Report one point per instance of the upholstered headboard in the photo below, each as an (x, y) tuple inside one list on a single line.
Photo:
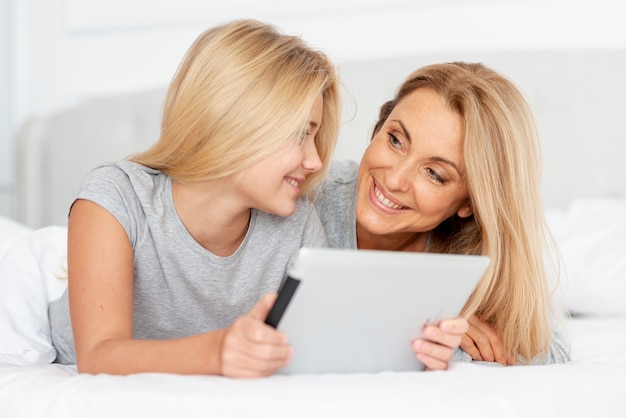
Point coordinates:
[(56, 151), (578, 97)]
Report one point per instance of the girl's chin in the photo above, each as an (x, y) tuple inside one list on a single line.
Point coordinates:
[(285, 210)]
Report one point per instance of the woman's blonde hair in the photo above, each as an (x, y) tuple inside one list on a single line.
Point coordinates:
[(503, 164), (242, 92)]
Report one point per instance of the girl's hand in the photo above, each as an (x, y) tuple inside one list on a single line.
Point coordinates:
[(252, 348), (437, 347)]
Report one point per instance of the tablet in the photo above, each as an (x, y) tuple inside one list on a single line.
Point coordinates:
[(357, 311)]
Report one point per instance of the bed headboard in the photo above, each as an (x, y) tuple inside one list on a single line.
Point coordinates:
[(578, 98)]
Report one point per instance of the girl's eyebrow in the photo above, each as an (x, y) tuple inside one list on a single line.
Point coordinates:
[(438, 159)]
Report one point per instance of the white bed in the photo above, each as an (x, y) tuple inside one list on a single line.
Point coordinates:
[(593, 385), (585, 195)]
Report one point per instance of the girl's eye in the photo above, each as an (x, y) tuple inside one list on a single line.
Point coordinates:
[(303, 135), (434, 176)]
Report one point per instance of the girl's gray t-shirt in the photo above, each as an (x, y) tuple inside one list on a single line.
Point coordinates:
[(180, 288)]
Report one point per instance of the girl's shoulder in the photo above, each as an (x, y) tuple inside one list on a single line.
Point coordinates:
[(125, 175)]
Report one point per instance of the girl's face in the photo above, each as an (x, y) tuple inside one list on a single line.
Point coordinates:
[(411, 175), (273, 184)]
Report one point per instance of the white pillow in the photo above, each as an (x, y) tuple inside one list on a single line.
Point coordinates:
[(32, 273), (10, 232), (591, 235)]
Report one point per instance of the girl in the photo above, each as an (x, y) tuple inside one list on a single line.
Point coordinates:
[(171, 252)]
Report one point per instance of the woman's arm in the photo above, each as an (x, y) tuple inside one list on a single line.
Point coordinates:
[(100, 269)]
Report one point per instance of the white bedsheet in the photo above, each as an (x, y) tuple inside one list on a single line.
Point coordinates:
[(592, 385)]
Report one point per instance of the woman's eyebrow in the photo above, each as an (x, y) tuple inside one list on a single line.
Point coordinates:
[(404, 130), (446, 161), (438, 159)]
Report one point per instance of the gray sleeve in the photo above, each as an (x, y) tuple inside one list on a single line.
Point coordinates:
[(110, 188), (559, 351)]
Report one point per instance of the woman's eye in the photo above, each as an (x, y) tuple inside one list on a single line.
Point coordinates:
[(434, 176), (394, 141)]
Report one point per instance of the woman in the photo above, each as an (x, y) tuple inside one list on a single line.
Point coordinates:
[(454, 167), (171, 252)]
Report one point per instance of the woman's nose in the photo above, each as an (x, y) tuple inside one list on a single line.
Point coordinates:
[(399, 176)]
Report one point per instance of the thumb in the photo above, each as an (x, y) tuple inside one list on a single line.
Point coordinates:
[(263, 306)]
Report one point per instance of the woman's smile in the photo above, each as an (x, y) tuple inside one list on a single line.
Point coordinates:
[(387, 201)]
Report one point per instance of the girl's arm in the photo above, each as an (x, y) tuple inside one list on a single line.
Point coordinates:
[(100, 269)]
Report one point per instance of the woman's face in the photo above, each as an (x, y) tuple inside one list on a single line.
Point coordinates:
[(411, 175)]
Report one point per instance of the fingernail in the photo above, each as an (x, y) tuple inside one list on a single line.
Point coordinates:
[(416, 344)]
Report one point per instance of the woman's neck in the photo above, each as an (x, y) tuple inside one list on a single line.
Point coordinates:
[(212, 216), (406, 241)]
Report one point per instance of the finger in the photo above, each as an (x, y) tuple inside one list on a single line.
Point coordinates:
[(454, 326), (245, 357), (435, 334), (496, 346), (481, 341), (263, 306), (251, 364), (467, 345), (251, 369), (252, 331), (431, 363), (436, 352)]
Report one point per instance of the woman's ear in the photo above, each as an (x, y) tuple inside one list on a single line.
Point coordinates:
[(464, 211)]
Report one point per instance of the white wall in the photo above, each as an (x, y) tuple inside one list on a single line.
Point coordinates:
[(6, 120), (56, 53)]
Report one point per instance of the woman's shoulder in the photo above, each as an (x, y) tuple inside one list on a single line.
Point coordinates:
[(342, 171), (340, 180)]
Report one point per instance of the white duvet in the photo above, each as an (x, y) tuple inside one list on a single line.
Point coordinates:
[(592, 385), (592, 237)]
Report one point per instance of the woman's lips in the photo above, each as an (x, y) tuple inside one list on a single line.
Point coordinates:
[(385, 201)]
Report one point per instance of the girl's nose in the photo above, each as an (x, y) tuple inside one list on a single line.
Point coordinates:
[(311, 161)]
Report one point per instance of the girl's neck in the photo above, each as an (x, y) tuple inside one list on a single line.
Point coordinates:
[(213, 217)]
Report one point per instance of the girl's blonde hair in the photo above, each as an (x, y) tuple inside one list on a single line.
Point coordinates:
[(502, 157), (242, 92)]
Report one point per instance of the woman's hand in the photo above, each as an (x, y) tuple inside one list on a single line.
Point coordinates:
[(437, 347), (483, 343), (252, 348)]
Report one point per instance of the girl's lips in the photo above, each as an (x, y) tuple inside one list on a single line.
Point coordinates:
[(384, 201), (294, 183)]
